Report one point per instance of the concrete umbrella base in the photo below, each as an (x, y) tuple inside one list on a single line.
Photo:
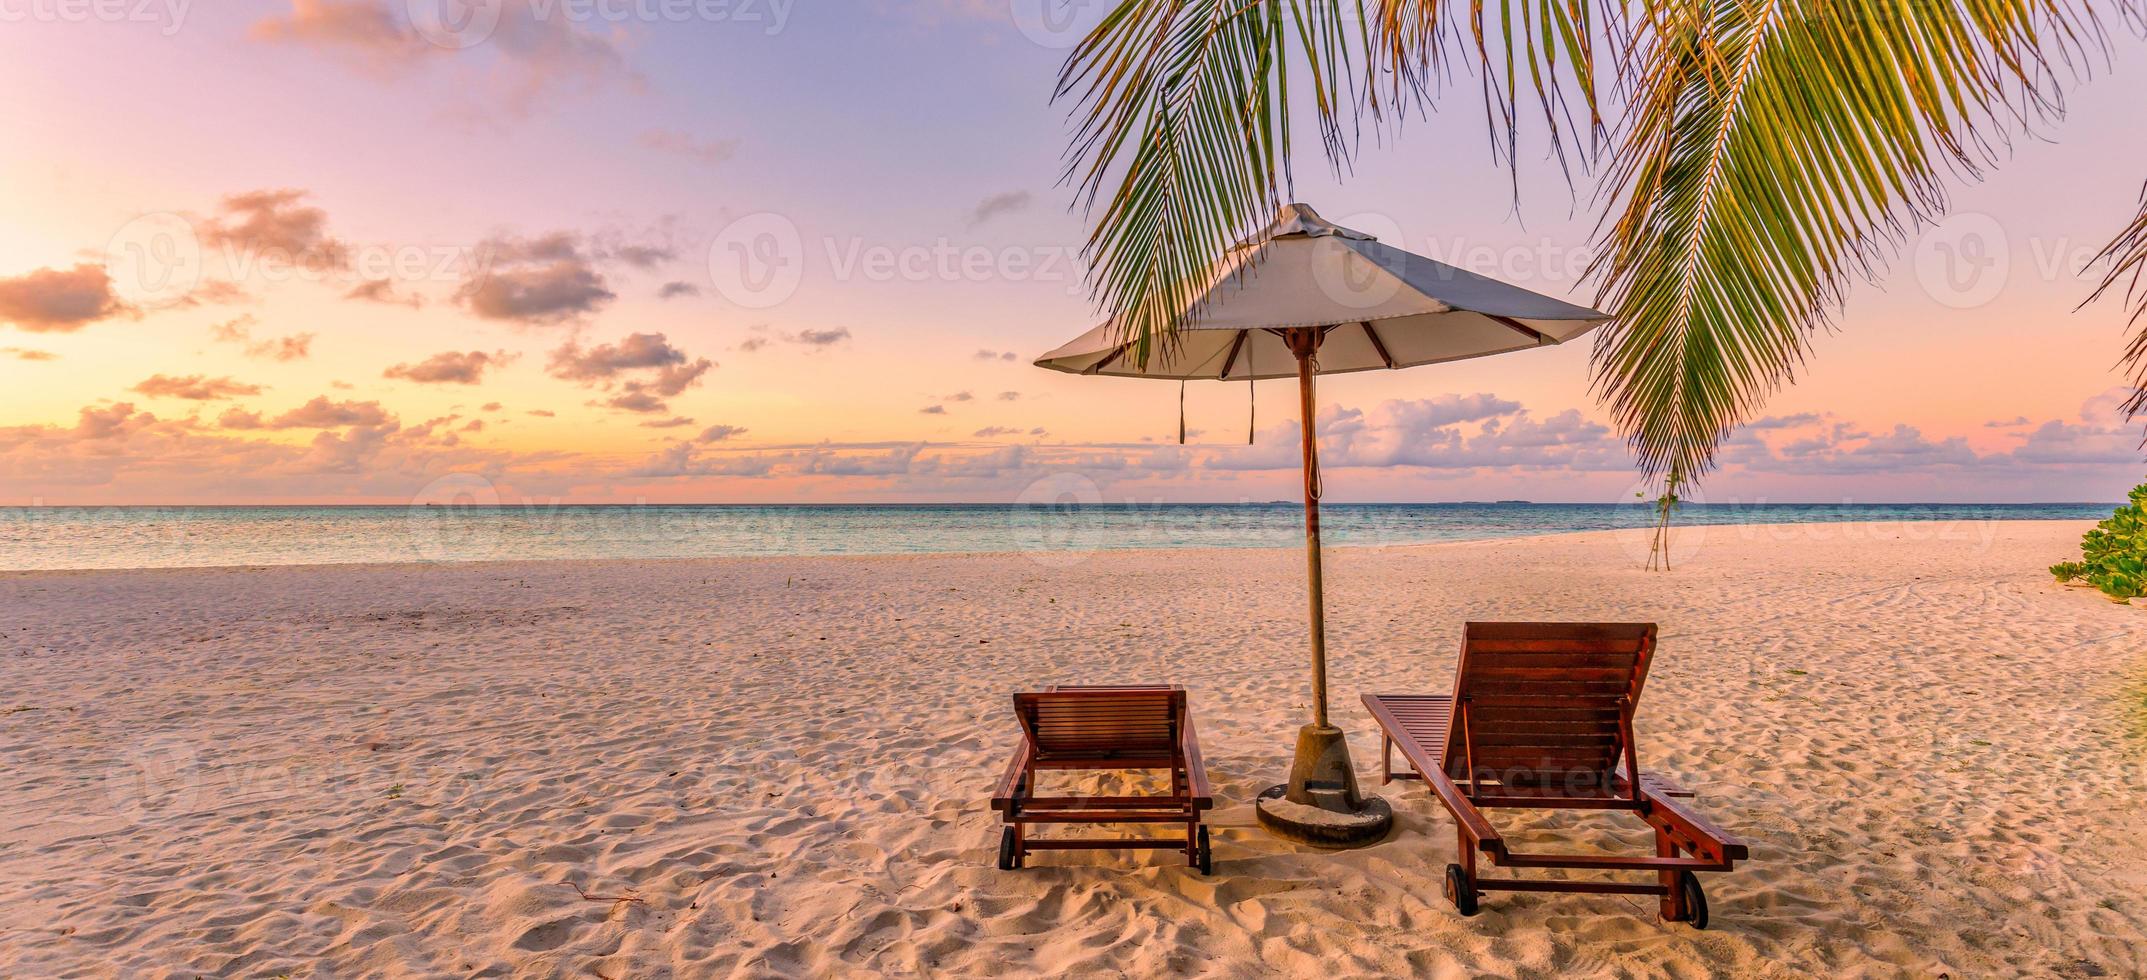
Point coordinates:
[(1320, 804)]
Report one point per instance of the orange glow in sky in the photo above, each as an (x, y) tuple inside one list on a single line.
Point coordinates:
[(300, 252)]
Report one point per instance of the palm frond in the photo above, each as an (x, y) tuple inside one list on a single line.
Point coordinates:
[(2127, 258), (1182, 123), (1191, 93), (1558, 44), (1772, 151)]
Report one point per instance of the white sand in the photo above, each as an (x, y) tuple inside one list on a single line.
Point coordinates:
[(1934, 753)]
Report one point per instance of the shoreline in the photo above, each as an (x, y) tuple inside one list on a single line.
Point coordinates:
[(1063, 556)]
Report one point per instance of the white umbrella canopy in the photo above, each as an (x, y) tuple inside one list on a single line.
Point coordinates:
[(1307, 297), (1380, 307)]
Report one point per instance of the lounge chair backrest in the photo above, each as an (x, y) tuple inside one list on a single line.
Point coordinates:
[(1104, 723), (1547, 702)]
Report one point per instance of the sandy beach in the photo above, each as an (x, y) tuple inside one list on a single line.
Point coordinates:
[(781, 766)]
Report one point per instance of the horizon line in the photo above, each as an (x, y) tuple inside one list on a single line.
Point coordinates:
[(1511, 502)]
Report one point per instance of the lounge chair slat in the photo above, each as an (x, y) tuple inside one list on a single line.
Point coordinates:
[(1592, 675), (1551, 702), (1577, 647), (1545, 721), (1607, 862), (1126, 762), (1552, 658), (1541, 768), (1607, 741), (1620, 635), (1577, 887), (1104, 844), (1546, 690)]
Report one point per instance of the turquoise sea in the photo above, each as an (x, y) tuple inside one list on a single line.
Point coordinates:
[(170, 537)]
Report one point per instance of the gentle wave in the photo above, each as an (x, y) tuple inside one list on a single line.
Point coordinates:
[(171, 537)]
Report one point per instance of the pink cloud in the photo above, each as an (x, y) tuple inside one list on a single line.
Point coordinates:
[(515, 50), (705, 152), (450, 367), (546, 280), (353, 25), (60, 300), (322, 413), (296, 347), (275, 225), (644, 368), (383, 291), (194, 387)]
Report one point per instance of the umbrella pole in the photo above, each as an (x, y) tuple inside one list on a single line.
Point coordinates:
[(1320, 804), (1315, 585)]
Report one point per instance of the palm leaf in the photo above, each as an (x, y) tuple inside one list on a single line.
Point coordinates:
[(1555, 42), (1183, 131), (1190, 94), (1774, 150), (2127, 258)]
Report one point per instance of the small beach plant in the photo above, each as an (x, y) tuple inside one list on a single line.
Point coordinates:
[(2113, 556), (1665, 505)]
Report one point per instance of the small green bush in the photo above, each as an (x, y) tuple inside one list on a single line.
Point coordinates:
[(2113, 556)]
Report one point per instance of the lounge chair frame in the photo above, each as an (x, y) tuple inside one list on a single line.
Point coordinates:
[(1068, 728), (1559, 696)]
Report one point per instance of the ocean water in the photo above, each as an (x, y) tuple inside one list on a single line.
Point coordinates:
[(172, 537)]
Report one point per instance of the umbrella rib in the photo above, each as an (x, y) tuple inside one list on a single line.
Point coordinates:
[(1525, 330), (1106, 362), (1377, 345), (1231, 361)]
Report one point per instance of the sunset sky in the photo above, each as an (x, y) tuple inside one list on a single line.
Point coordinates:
[(280, 252)]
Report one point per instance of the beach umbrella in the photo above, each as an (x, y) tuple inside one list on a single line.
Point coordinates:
[(1303, 298)]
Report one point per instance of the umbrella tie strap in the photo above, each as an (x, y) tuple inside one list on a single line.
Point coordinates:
[(1181, 413)]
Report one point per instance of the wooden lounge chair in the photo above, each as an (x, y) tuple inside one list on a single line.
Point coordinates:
[(1116, 728), (1542, 718)]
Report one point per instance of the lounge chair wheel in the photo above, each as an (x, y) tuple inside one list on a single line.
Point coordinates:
[(1008, 858), (1695, 899), (1459, 891), (1207, 852)]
